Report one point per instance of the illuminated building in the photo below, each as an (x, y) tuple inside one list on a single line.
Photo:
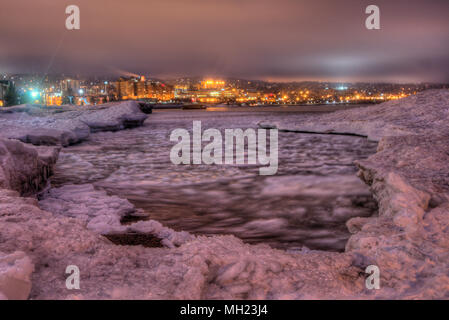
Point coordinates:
[(126, 88), (134, 88), (213, 84), (52, 99), (4, 85), (72, 84), (162, 92), (141, 89), (181, 92)]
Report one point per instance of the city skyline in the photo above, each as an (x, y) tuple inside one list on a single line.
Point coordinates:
[(60, 90), (266, 40)]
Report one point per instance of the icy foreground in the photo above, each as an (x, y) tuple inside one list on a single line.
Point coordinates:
[(409, 241), (103, 214)]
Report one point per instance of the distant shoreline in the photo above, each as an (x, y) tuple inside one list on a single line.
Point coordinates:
[(268, 108)]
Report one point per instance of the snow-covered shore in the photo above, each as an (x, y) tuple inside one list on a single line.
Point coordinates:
[(40, 126), (409, 177), (409, 241)]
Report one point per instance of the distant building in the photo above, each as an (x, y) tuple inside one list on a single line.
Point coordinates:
[(126, 88), (213, 84), (141, 89), (4, 86), (181, 91), (72, 84)]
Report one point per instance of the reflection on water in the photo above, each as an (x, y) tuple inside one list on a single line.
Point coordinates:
[(306, 204)]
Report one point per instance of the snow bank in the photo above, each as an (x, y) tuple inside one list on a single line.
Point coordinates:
[(415, 115), (15, 272), (25, 168), (67, 125), (408, 175)]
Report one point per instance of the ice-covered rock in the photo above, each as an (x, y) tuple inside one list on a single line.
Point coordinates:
[(15, 274), (169, 237), (67, 125), (410, 239), (408, 175), (100, 212), (117, 117), (25, 168), (103, 213)]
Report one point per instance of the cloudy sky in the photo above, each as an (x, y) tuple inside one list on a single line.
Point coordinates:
[(254, 39)]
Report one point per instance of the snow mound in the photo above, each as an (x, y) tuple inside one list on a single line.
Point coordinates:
[(67, 125), (15, 273), (25, 168)]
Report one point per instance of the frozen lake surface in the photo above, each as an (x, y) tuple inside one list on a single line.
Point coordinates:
[(306, 204)]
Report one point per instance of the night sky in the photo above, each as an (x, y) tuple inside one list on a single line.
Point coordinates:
[(252, 39)]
